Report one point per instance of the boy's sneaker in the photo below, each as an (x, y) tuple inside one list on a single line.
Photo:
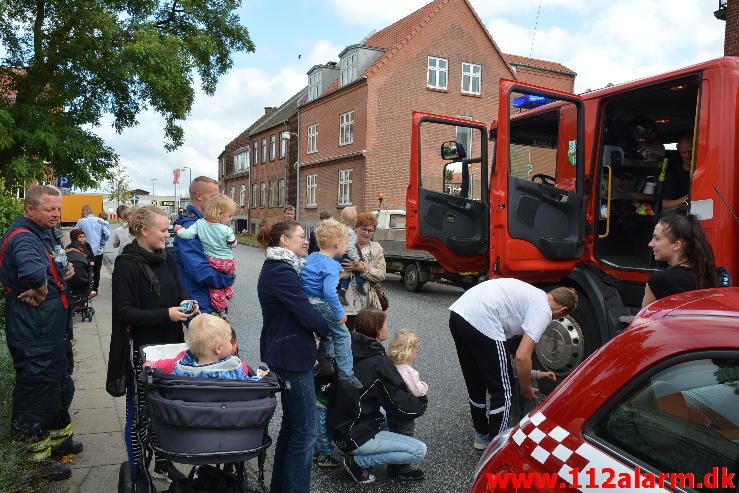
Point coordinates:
[(361, 476), (93, 294), (164, 469), (342, 297), (404, 473), (481, 441), (326, 461), (352, 381)]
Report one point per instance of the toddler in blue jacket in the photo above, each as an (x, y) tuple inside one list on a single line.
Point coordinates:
[(319, 279)]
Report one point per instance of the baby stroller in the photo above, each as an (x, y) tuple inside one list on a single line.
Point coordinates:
[(197, 421), (80, 285)]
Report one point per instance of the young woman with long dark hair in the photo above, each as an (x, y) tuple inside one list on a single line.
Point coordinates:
[(679, 240)]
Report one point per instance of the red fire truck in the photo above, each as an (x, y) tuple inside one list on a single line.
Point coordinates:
[(568, 193)]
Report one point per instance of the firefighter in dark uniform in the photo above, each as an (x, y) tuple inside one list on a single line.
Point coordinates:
[(33, 269)]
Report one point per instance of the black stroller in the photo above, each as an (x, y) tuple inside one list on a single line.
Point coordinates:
[(197, 421), (80, 285)]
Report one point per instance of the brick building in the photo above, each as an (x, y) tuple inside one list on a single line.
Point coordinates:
[(257, 168), (355, 122), (728, 10)]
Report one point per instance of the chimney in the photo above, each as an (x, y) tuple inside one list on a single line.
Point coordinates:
[(731, 35), (268, 110)]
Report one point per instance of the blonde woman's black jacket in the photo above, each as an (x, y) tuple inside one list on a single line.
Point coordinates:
[(354, 416)]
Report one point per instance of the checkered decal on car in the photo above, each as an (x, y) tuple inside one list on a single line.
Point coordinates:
[(560, 451)]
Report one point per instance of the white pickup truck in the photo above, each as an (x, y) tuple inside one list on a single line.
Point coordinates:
[(415, 266)]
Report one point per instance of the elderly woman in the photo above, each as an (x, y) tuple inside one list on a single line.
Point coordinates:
[(288, 346), (371, 266)]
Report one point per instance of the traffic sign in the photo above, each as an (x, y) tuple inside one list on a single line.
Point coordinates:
[(63, 182)]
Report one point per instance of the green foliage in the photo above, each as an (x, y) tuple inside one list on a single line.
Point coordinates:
[(69, 62), (118, 187), (9, 208)]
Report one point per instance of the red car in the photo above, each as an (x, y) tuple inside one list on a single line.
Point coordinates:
[(656, 407)]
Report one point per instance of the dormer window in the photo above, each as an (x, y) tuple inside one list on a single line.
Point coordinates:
[(314, 86), (348, 69)]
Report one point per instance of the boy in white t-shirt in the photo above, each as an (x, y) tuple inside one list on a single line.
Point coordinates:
[(481, 321)]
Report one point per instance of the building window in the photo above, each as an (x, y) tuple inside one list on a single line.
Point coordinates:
[(256, 153), (312, 138), (254, 195), (348, 67), (471, 78), (242, 195), (271, 194), (264, 150), (241, 160), (438, 72), (345, 187), (283, 147), (272, 147), (314, 86), (346, 128), (262, 194), (231, 191), (281, 195), (311, 182)]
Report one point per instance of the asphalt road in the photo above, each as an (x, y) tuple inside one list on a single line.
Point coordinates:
[(445, 428)]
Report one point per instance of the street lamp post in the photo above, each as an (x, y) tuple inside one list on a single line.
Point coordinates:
[(189, 179), (286, 135), (152, 185)]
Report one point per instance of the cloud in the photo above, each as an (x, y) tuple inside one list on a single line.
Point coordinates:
[(240, 99), (376, 14)]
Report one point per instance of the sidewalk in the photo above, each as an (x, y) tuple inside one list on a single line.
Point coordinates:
[(98, 419)]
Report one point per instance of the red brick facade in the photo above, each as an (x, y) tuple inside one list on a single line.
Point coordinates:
[(731, 36)]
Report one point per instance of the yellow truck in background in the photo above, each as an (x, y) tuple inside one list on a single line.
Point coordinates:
[(72, 206)]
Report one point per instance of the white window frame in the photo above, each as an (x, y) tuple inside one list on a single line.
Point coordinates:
[(231, 192), (345, 187), (281, 193), (314, 86), (242, 195), (272, 147), (262, 194), (254, 193), (256, 152), (271, 196), (264, 149), (311, 187), (346, 128), (348, 67), (312, 146), (283, 147), (468, 74), (435, 66)]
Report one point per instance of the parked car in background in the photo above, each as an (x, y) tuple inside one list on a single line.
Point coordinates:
[(662, 397)]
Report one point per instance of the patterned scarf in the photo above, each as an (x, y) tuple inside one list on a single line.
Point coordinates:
[(284, 255)]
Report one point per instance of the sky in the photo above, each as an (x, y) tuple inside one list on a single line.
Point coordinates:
[(604, 41)]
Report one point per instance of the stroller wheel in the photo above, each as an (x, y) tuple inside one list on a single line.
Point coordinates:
[(125, 478)]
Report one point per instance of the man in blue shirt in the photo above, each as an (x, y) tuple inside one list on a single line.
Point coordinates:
[(97, 233), (196, 274), (33, 270)]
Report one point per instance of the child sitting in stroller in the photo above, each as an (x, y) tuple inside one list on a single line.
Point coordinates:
[(212, 352), (79, 254)]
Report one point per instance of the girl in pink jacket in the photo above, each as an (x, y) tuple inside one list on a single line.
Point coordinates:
[(403, 351)]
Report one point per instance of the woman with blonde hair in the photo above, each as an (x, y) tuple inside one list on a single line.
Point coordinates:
[(146, 308)]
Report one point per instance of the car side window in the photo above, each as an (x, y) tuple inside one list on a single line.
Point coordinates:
[(684, 419)]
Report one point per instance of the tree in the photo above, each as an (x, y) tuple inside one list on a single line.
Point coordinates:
[(68, 63), (118, 187)]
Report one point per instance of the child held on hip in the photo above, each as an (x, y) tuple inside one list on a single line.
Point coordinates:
[(403, 351), (218, 239), (349, 220), (319, 278)]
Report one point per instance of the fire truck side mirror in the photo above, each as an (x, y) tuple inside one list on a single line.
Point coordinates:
[(451, 150)]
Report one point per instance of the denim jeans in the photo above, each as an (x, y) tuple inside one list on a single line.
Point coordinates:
[(294, 450), (337, 343), (324, 445), (389, 448)]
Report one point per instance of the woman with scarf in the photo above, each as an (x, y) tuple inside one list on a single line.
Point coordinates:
[(146, 299), (288, 346)]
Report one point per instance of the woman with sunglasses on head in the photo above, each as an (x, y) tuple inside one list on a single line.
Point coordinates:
[(371, 266), (679, 240)]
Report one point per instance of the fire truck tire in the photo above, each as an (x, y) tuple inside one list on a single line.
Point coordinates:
[(568, 341), (412, 278)]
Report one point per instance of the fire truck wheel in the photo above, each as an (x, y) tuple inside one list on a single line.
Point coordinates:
[(412, 278), (568, 341)]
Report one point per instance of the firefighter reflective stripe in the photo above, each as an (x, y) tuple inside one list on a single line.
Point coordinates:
[(39, 451), (59, 436), (663, 170)]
